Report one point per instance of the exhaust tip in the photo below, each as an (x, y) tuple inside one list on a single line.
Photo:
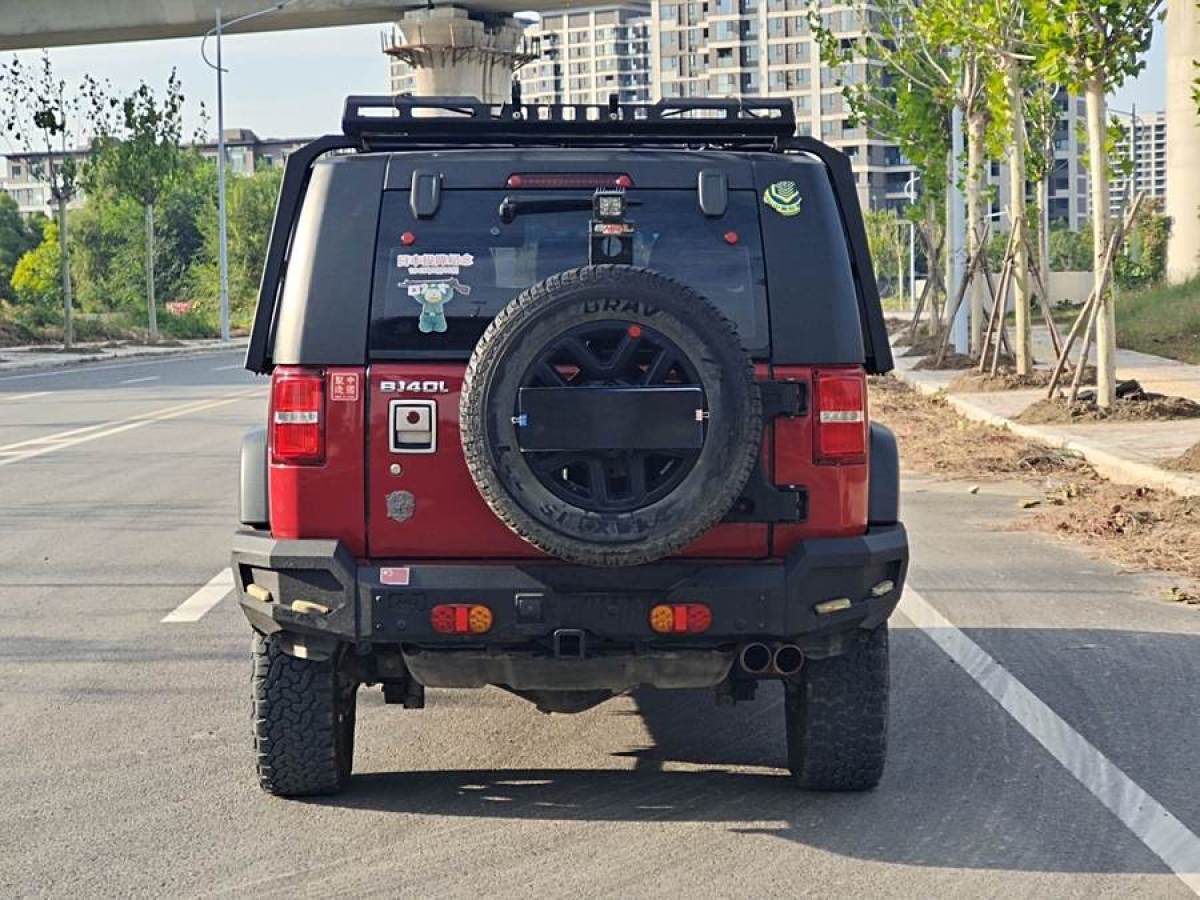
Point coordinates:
[(755, 658), (788, 659)]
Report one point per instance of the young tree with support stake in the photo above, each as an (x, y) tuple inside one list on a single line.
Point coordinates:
[(44, 119), (138, 154), (1092, 46)]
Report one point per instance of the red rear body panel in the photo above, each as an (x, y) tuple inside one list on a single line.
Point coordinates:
[(347, 496)]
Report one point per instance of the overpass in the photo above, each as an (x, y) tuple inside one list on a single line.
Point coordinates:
[(468, 49)]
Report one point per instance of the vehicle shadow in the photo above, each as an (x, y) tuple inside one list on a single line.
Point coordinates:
[(965, 788)]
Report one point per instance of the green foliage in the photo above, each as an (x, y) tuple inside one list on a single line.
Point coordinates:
[(17, 237), (1163, 320), (138, 148), (35, 280), (1145, 263), (886, 236), (1100, 40), (250, 208), (1070, 251)]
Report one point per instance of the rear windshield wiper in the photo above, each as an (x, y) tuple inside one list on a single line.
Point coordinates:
[(511, 207)]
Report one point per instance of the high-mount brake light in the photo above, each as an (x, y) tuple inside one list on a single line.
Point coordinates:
[(460, 618), (297, 426), (568, 181), (841, 418), (680, 618)]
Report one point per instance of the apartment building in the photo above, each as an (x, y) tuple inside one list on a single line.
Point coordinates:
[(245, 151), (1147, 136), (587, 54)]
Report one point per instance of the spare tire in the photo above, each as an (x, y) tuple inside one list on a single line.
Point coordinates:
[(620, 328)]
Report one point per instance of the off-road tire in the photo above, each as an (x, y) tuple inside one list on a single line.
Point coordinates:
[(304, 716), (837, 717), (571, 531)]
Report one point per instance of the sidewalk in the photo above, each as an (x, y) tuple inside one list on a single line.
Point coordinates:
[(46, 356), (1124, 452)]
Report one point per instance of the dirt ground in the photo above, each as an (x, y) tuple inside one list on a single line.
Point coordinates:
[(951, 360), (1188, 462), (1136, 527), (973, 382), (1146, 408)]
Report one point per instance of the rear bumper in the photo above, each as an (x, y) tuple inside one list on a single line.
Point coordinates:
[(347, 601)]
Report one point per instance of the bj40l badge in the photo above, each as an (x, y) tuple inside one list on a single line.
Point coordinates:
[(783, 197)]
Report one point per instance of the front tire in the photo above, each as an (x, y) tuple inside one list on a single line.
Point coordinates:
[(837, 717), (304, 714)]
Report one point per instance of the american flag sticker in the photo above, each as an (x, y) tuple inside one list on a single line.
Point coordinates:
[(394, 576)]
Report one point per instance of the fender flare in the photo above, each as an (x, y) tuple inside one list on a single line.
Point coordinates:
[(253, 506), (883, 503)]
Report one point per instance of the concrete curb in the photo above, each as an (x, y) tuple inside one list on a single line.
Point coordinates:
[(1116, 468), (87, 359)]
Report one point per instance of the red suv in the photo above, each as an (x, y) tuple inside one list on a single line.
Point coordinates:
[(567, 400)]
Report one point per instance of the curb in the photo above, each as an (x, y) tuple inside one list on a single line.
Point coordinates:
[(86, 360), (1115, 468)]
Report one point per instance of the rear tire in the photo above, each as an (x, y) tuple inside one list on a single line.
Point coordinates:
[(304, 715), (837, 717)]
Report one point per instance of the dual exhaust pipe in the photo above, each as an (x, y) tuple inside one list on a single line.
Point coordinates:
[(776, 659)]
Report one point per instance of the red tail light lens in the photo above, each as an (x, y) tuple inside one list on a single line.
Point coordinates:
[(840, 407), (460, 618), (680, 618), (297, 418)]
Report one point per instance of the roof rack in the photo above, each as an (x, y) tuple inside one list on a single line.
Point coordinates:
[(387, 122)]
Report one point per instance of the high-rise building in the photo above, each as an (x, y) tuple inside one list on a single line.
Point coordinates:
[(1147, 136), (587, 54), (765, 48)]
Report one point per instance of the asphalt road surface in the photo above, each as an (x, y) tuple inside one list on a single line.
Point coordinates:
[(1044, 733)]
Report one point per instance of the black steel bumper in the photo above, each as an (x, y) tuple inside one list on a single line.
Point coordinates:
[(315, 590)]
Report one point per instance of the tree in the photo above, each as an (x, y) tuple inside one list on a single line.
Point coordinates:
[(921, 50), (44, 120), (36, 278), (1092, 46), (17, 237), (137, 153)]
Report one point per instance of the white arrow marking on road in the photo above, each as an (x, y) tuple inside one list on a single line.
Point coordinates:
[(26, 396), (140, 380), (194, 607), (1151, 822), (11, 453)]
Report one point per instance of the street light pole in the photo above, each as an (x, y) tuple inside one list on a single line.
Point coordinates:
[(910, 191), (222, 229), (222, 233)]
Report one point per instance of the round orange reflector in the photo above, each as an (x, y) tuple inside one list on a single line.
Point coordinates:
[(479, 620), (662, 619)]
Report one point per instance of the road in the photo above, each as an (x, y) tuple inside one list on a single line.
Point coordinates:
[(1061, 761)]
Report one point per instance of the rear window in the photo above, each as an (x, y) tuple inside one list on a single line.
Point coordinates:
[(440, 281)]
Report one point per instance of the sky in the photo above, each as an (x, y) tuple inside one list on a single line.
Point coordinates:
[(292, 84)]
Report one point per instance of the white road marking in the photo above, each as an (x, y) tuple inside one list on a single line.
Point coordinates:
[(227, 368), (26, 396), (11, 453), (1151, 822), (140, 380), (194, 607)]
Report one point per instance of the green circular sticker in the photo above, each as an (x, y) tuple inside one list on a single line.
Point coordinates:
[(783, 197)]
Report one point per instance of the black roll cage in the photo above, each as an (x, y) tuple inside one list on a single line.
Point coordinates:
[(383, 123)]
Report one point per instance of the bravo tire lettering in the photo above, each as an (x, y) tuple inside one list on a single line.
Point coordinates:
[(613, 305), (413, 387)]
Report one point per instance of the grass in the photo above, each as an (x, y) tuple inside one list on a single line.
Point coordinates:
[(1164, 321)]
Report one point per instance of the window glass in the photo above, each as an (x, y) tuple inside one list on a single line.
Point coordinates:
[(439, 292)]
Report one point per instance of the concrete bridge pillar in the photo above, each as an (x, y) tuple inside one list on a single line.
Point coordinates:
[(1183, 140), (459, 53)]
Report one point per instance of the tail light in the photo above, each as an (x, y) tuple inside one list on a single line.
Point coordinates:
[(840, 404), (297, 418), (460, 618), (680, 618)]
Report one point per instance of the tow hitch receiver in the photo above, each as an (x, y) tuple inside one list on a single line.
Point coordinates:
[(570, 643)]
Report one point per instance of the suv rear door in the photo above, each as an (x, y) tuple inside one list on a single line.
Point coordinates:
[(438, 282)]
